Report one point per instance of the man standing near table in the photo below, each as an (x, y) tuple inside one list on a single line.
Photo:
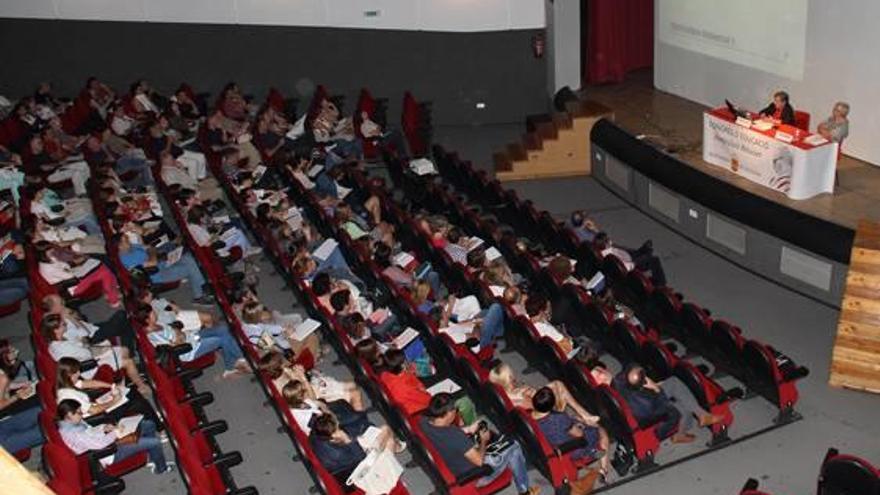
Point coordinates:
[(779, 109)]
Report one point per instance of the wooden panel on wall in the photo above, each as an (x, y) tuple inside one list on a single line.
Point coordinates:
[(855, 362)]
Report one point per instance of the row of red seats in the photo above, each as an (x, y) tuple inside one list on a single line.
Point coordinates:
[(641, 439), (840, 474), (765, 370)]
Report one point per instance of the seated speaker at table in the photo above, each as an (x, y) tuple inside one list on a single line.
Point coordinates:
[(780, 109)]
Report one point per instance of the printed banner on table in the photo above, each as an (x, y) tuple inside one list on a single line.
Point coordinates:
[(752, 155)]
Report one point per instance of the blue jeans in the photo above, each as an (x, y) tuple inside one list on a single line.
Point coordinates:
[(89, 224), (13, 290), (512, 458), (433, 278), (185, 268), (325, 186), (218, 337), (127, 164), (493, 325), (21, 431), (146, 441)]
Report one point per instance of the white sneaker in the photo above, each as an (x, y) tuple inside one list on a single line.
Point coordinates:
[(170, 465), (253, 251)]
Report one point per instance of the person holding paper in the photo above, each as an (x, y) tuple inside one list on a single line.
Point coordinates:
[(203, 341), (77, 278), (408, 392), (779, 110), (465, 448), (168, 312), (258, 320), (117, 401), (174, 172), (19, 420), (836, 127), (338, 448), (538, 309), (584, 228), (80, 438), (78, 328), (73, 212), (406, 279), (206, 233), (117, 358), (305, 403), (383, 324), (168, 270)]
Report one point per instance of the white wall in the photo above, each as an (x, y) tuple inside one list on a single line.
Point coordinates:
[(563, 44), (417, 15), (842, 63)]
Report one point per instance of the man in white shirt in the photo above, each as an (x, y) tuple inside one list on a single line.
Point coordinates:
[(642, 258)]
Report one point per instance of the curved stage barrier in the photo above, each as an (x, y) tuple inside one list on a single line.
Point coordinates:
[(804, 253)]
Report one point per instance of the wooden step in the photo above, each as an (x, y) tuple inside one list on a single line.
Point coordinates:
[(855, 361), (556, 145)]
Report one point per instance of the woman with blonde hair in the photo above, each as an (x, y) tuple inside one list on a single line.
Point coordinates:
[(521, 394)]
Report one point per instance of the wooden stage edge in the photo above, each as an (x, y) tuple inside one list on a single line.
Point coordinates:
[(855, 362)]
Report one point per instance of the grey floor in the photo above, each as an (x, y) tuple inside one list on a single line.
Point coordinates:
[(785, 460)]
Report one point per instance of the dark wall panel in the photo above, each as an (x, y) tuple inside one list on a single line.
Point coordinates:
[(454, 70)]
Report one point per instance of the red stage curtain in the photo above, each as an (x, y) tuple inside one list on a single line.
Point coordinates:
[(620, 38)]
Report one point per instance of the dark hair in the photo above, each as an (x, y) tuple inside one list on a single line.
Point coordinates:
[(440, 405), (476, 258), (339, 299), (66, 407), (325, 425), (395, 361), (196, 213), (577, 219), (536, 303), (368, 350), (382, 255), (321, 284), (781, 94), (454, 235), (601, 240), (544, 400)]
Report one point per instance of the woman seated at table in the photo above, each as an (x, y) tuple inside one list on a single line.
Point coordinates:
[(779, 110)]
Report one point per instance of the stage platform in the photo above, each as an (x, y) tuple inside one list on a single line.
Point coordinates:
[(676, 125)]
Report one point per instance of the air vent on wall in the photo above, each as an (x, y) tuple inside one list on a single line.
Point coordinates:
[(726, 234), (805, 268), (664, 201), (372, 13), (618, 173)]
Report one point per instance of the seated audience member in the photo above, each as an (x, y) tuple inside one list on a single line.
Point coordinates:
[(175, 172), (560, 427), (203, 341), (71, 238), (456, 246), (461, 452), (78, 328), (372, 131), (407, 391), (779, 110), (53, 329), (258, 320), (80, 438), (76, 279), (124, 401), (521, 395), (583, 227), (19, 416), (669, 402), (642, 258), (337, 447), (39, 162), (836, 127), (407, 279), (305, 405), (205, 231), (369, 350), (74, 212), (538, 309), (13, 284), (184, 268)]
